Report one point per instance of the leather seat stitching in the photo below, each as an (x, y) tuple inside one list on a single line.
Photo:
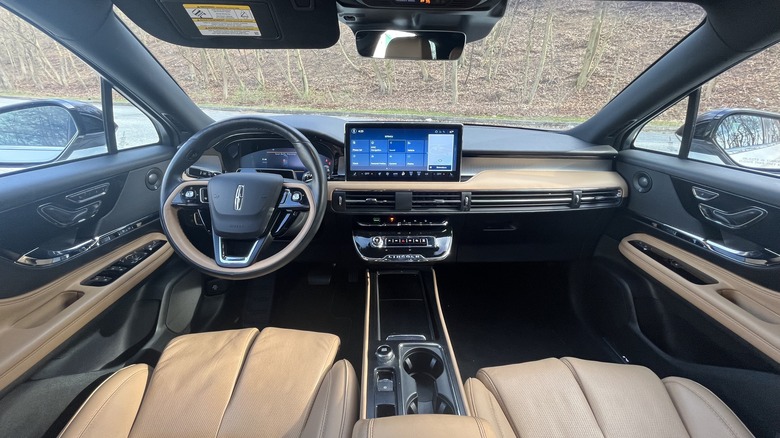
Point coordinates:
[(722, 420), (346, 398), (570, 366), (250, 344), (325, 409), (371, 428), (470, 390), (323, 373), (107, 400), (479, 426), (499, 400)]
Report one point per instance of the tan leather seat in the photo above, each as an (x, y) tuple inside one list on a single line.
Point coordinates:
[(277, 383), (578, 398)]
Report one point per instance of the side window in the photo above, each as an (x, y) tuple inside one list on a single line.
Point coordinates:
[(738, 122), (55, 114), (133, 128), (664, 133)]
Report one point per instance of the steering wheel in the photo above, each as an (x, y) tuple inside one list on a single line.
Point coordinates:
[(247, 209)]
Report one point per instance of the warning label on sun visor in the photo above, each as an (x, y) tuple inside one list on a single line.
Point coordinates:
[(223, 20)]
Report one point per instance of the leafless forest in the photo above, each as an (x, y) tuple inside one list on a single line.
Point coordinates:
[(545, 60)]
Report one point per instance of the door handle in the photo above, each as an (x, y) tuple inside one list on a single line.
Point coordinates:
[(734, 220)]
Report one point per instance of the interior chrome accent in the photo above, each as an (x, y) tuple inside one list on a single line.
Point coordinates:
[(733, 220), (403, 223), (703, 194), (63, 217), (755, 257), (47, 257), (89, 194), (230, 261), (406, 338)]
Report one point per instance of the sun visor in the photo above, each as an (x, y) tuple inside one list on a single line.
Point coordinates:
[(278, 24)]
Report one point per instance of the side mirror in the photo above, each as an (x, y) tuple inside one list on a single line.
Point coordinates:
[(44, 131), (749, 139), (410, 45)]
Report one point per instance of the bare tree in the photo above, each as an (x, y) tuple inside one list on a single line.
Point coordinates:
[(589, 60), (548, 30)]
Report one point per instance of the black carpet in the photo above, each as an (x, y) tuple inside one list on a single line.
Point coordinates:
[(512, 313), (304, 299)]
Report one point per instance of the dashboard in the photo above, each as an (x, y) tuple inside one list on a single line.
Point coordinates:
[(404, 192)]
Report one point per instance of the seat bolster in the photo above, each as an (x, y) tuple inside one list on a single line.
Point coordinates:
[(111, 409), (484, 405), (702, 412), (335, 408)]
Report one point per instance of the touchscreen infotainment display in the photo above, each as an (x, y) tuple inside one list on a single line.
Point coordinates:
[(403, 152)]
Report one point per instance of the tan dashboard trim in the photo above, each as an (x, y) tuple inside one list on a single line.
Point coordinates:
[(500, 180), (747, 309), (23, 343)]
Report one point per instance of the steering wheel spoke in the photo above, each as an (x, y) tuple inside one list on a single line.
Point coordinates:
[(235, 253), (293, 197), (191, 194)]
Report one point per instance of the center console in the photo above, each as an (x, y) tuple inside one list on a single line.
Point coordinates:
[(409, 367)]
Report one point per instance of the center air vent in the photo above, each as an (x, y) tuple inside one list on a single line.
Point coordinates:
[(487, 201), (545, 200), (374, 201), (437, 201)]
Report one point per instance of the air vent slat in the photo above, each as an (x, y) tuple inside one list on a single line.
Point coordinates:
[(544, 200), (376, 201), (436, 201)]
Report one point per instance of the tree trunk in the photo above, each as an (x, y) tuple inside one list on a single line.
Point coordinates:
[(453, 82), (543, 57), (594, 38)]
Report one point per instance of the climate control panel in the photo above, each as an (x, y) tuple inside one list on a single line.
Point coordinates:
[(402, 240)]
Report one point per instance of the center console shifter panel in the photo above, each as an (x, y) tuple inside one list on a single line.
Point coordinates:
[(391, 239), (409, 368)]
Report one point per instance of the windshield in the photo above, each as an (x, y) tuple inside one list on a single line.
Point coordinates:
[(549, 64)]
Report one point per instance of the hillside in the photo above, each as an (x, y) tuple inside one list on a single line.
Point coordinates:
[(556, 61)]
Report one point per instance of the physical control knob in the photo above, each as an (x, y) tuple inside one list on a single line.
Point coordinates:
[(376, 241), (384, 353)]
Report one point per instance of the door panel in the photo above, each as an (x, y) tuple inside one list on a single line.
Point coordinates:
[(116, 182), (747, 309), (704, 246), (67, 229), (34, 324), (695, 299), (671, 207)]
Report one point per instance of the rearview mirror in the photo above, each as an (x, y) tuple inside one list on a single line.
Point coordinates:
[(414, 45)]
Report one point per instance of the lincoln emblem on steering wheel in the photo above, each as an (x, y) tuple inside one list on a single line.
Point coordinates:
[(239, 199)]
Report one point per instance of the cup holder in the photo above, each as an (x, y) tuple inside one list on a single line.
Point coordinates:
[(425, 367)]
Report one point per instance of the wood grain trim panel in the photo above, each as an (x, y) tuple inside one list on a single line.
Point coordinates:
[(749, 310), (499, 180), (22, 346)]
